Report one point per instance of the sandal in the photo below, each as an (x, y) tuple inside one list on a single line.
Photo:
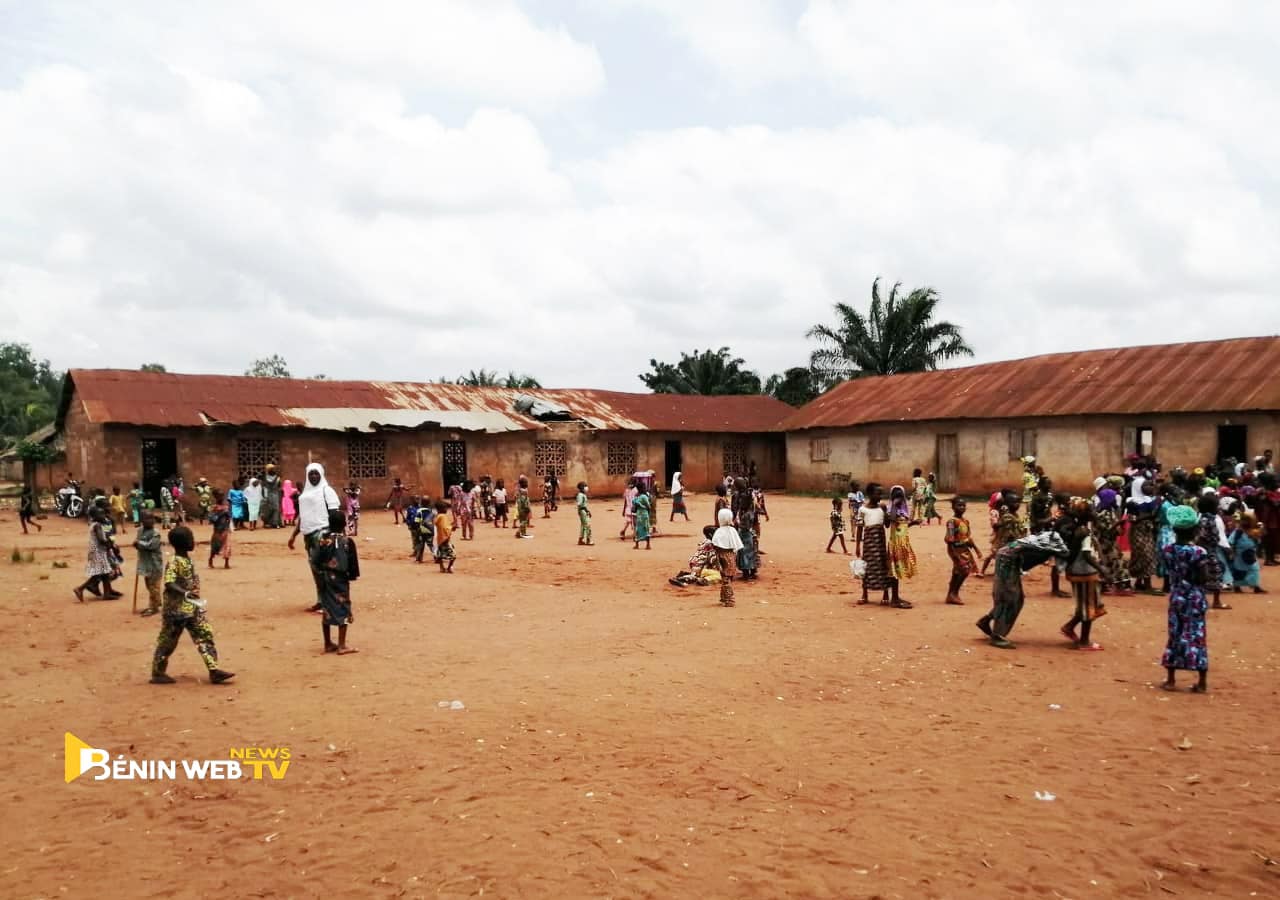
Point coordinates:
[(902, 604)]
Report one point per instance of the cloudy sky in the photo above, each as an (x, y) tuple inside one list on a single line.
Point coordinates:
[(570, 187)]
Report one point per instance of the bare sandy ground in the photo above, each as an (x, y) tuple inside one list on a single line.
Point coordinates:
[(624, 739)]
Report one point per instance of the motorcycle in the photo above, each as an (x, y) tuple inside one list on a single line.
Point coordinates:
[(68, 501)]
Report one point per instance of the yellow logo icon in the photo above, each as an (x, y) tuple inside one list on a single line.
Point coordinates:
[(78, 758)]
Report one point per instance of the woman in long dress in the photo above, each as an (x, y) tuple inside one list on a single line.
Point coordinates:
[(871, 546), (641, 508), (1188, 567), (678, 507)]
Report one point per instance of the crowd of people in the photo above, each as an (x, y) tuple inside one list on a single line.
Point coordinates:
[(1192, 536)]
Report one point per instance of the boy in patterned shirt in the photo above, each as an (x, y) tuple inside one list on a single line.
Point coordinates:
[(183, 610)]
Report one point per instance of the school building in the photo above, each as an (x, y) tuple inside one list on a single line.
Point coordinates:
[(123, 426), (1079, 413)]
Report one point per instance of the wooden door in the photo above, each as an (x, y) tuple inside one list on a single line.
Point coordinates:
[(948, 470)]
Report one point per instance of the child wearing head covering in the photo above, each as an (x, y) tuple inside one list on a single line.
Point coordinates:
[(727, 542), (902, 558), (315, 503), (1245, 543), (1187, 565), (678, 507), (288, 502)]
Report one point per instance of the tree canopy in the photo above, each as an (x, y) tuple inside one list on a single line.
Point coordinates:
[(710, 372), (794, 387), (898, 334), (272, 366), (29, 392), (153, 367), (486, 378)]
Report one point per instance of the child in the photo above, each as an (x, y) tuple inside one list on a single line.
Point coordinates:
[(395, 500), (500, 503), (1083, 574), (444, 533), (168, 504), (411, 522), (856, 499), (118, 506), (101, 558), (837, 527), (748, 556), (628, 514), (547, 494), (253, 502), (870, 544), (931, 499), (727, 542), (1007, 595), (524, 508), (150, 561), (462, 511), (136, 499), (584, 517), (353, 508), (902, 558), (1187, 565), (917, 495), (722, 499), (959, 540), (334, 556), (184, 611), (475, 501), (1007, 526), (1106, 531), (236, 501), (702, 562), (204, 500), (288, 502), (27, 509), (678, 507), (486, 497), (641, 507), (757, 495), (1245, 543), (1212, 539), (1064, 526), (220, 540), (426, 528)]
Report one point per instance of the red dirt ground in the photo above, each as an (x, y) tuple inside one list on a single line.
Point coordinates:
[(623, 739)]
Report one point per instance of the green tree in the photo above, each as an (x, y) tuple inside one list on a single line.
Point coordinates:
[(898, 334), (29, 392), (153, 367), (523, 381), (795, 386), (483, 378), (709, 372), (272, 366)]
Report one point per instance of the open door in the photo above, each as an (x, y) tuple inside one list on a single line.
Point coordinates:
[(674, 461), (1233, 442), (948, 470), (159, 461)]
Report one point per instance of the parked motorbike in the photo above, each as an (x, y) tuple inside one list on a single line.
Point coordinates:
[(68, 501)]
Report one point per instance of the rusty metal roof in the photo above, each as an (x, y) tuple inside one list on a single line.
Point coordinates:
[(170, 400), (1209, 376)]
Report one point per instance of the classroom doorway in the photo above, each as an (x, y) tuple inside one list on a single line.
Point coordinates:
[(159, 462), (1233, 442), (453, 468), (674, 461), (948, 462)]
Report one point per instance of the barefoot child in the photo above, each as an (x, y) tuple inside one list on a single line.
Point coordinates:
[(959, 540), (150, 561), (500, 503), (1007, 595), (352, 503), (1187, 566), (837, 527), (727, 542), (220, 540), (137, 501), (27, 509), (641, 509), (931, 499), (334, 556), (118, 506), (871, 545), (584, 516), (1084, 574), (184, 611), (444, 536), (1246, 543), (524, 508)]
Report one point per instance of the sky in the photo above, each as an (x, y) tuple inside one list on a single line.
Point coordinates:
[(569, 188)]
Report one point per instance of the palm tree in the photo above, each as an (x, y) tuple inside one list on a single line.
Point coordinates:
[(897, 335), (522, 381), (711, 372), (483, 378)]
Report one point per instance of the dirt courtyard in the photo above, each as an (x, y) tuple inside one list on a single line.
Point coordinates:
[(622, 738)]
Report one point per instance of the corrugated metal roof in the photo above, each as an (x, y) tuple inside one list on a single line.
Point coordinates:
[(1219, 376), (170, 400)]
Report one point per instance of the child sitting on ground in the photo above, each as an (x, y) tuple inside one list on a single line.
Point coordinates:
[(703, 568), (334, 556)]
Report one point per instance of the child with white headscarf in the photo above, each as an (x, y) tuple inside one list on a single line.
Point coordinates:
[(314, 505), (727, 542)]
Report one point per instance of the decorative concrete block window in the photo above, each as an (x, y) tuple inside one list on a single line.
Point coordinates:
[(620, 458), (735, 457), (551, 458), (253, 454), (1022, 442), (819, 449), (367, 458), (878, 447)]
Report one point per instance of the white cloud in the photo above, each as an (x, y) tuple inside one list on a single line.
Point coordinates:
[(400, 194)]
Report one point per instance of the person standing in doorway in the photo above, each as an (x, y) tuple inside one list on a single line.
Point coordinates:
[(272, 495), (314, 505)]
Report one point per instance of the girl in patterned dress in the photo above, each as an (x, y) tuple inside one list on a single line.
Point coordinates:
[(870, 543), (902, 558), (959, 540), (1114, 570), (1188, 568), (837, 527)]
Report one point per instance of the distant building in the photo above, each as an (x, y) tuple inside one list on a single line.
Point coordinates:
[(121, 426), (1079, 413)]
